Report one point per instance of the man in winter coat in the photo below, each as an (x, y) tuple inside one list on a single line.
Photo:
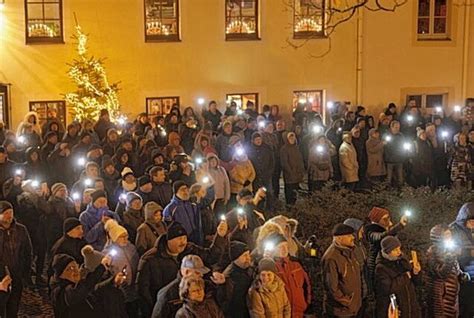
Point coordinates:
[(94, 218), (375, 161), (159, 265), (348, 162), (463, 233), (380, 227), (341, 275), (110, 175), (212, 115), (15, 254), (149, 231), (162, 191), (181, 210), (145, 187), (133, 215), (394, 275), (394, 153), (240, 274), (292, 165), (168, 301), (60, 165), (74, 297), (224, 147), (103, 124), (6, 167)]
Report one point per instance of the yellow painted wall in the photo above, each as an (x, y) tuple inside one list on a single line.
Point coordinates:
[(203, 64)]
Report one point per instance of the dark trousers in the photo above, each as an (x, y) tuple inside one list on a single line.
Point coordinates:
[(291, 192), (276, 180), (10, 306), (466, 297)]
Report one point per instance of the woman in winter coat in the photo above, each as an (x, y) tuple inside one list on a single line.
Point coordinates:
[(111, 142), (149, 231), (133, 215), (460, 161), (188, 132), (195, 303), (394, 275), (242, 174), (31, 118), (375, 163), (320, 165), (292, 165), (443, 274), (124, 259), (203, 148), (221, 183), (348, 161), (267, 296)]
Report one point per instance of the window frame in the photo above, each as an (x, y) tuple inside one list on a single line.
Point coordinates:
[(149, 100), (424, 97), (243, 36), (431, 36), (244, 107), (157, 38), (6, 103), (45, 40), (309, 34)]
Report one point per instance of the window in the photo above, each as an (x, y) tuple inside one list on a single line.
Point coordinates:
[(162, 21), (44, 21), (241, 100), (308, 19), (161, 105), (4, 104), (314, 99), (241, 20), (42, 107), (429, 101), (433, 20)]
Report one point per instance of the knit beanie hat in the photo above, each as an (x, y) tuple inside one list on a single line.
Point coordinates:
[(150, 209), (177, 185), (143, 180), (56, 187), (92, 258), (126, 171), (389, 243), (175, 230), (356, 224), (70, 223), (342, 229), (267, 264), (132, 196), (5, 205), (236, 249), (60, 262), (98, 194), (114, 230), (376, 214)]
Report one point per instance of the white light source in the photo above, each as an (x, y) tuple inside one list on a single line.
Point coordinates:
[(21, 139), (317, 129), (240, 111), (261, 124), (223, 217), (35, 183), (81, 161), (439, 109), (329, 105), (122, 197), (163, 133), (339, 129), (269, 246), (88, 182), (444, 134), (240, 211), (205, 180), (319, 148), (457, 108), (408, 213), (388, 138), (449, 244), (311, 99), (18, 172), (122, 120), (302, 100), (201, 101), (410, 118), (240, 151), (75, 196), (264, 189), (407, 146), (198, 160), (113, 252)]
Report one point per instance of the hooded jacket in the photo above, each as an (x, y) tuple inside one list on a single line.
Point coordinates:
[(91, 220), (148, 232), (465, 237), (36, 126), (220, 178), (241, 175)]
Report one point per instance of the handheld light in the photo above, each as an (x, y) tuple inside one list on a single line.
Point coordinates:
[(21, 139), (388, 138), (444, 134), (269, 246), (457, 108), (261, 124), (407, 146), (439, 109), (408, 213), (240, 211), (113, 252), (18, 172), (81, 161), (319, 148), (317, 129), (223, 217), (201, 101), (75, 196), (198, 160), (449, 244), (205, 180), (329, 105), (410, 118), (35, 183), (122, 197), (240, 151), (302, 100), (88, 182)]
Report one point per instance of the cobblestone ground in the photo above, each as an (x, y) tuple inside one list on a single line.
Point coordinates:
[(35, 303)]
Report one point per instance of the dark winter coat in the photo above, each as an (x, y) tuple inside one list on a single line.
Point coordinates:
[(241, 281), (342, 281), (58, 210), (208, 308), (188, 215), (91, 220), (132, 220), (292, 163), (391, 278), (69, 246), (422, 161), (465, 237), (162, 193), (263, 162), (393, 151), (16, 251)]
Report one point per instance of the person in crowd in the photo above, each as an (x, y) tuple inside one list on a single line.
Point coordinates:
[(221, 183), (342, 275), (133, 215), (422, 160), (267, 296), (195, 302), (460, 161), (31, 119), (348, 162), (223, 145), (110, 176), (181, 170), (262, 160), (393, 153), (149, 231), (61, 165), (160, 265), (320, 165), (94, 218), (124, 260), (52, 118), (375, 158), (462, 229), (242, 174), (168, 301), (240, 273), (16, 257), (103, 124), (162, 190), (394, 277), (380, 226), (292, 166), (212, 115)]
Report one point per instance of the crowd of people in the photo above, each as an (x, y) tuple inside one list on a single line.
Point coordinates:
[(176, 215)]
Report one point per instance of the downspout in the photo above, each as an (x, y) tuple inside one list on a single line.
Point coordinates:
[(360, 39), (465, 54)]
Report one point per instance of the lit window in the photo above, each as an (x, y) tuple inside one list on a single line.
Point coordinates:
[(313, 100), (42, 107), (433, 23), (44, 21), (241, 100), (241, 18), (161, 20), (429, 101), (308, 19), (161, 105)]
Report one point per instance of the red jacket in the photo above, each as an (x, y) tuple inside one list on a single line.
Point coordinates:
[(297, 284)]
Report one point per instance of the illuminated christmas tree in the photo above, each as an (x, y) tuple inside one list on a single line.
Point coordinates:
[(93, 89)]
